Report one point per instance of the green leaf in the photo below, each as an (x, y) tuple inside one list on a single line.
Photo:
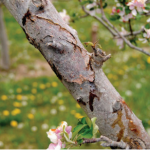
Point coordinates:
[(127, 10), (89, 44), (87, 134), (83, 120), (105, 5), (77, 129), (95, 127), (147, 26), (80, 141), (67, 138), (114, 17), (88, 120)]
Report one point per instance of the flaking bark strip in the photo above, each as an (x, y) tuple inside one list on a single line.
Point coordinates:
[(121, 125), (51, 22), (26, 16)]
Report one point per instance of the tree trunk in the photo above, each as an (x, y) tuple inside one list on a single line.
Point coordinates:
[(4, 43), (78, 70)]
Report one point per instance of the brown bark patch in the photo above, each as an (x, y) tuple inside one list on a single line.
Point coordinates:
[(121, 125), (24, 19), (132, 124)]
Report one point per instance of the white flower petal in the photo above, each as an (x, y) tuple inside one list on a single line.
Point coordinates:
[(134, 13), (148, 20)]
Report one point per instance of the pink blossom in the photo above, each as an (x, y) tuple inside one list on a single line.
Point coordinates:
[(120, 41), (113, 11), (137, 6), (147, 35), (62, 132), (57, 146), (64, 16)]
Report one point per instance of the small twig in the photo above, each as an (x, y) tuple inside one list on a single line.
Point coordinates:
[(84, 16), (94, 140), (133, 33), (108, 142), (100, 20), (113, 144), (130, 27)]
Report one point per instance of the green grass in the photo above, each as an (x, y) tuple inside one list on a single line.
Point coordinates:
[(128, 70)]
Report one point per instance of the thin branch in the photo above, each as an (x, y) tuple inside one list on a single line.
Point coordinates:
[(113, 144), (130, 27), (94, 140), (108, 142), (88, 13), (84, 16), (109, 26)]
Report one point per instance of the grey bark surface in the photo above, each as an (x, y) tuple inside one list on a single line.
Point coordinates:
[(4, 43), (81, 72)]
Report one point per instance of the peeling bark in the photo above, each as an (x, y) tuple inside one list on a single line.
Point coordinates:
[(81, 72)]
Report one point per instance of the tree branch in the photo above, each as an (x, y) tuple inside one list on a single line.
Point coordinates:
[(130, 27), (100, 20), (114, 31), (79, 71)]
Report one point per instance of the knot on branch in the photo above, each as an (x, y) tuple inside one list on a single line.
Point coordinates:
[(39, 3), (113, 144), (99, 57)]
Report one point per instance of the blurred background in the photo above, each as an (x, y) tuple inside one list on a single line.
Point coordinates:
[(33, 100)]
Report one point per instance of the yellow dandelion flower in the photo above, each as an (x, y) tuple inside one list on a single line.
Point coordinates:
[(16, 104), (42, 86), (48, 84), (19, 97), (77, 105), (32, 97), (6, 113), (73, 112), (60, 102), (30, 116), (34, 84), (19, 90), (34, 91), (54, 84), (14, 123), (80, 117), (121, 72), (77, 115), (3, 97), (110, 76), (148, 60), (16, 112)]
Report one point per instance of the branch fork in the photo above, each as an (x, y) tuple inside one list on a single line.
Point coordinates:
[(99, 57)]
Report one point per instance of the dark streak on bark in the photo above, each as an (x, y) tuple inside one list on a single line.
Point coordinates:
[(51, 22), (24, 19), (55, 70), (92, 95), (80, 101)]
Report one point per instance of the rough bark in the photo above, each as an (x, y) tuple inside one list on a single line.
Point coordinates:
[(78, 70), (4, 43)]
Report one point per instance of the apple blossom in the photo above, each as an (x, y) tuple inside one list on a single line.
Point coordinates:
[(120, 41), (60, 136), (53, 146), (64, 16), (147, 35), (137, 6)]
